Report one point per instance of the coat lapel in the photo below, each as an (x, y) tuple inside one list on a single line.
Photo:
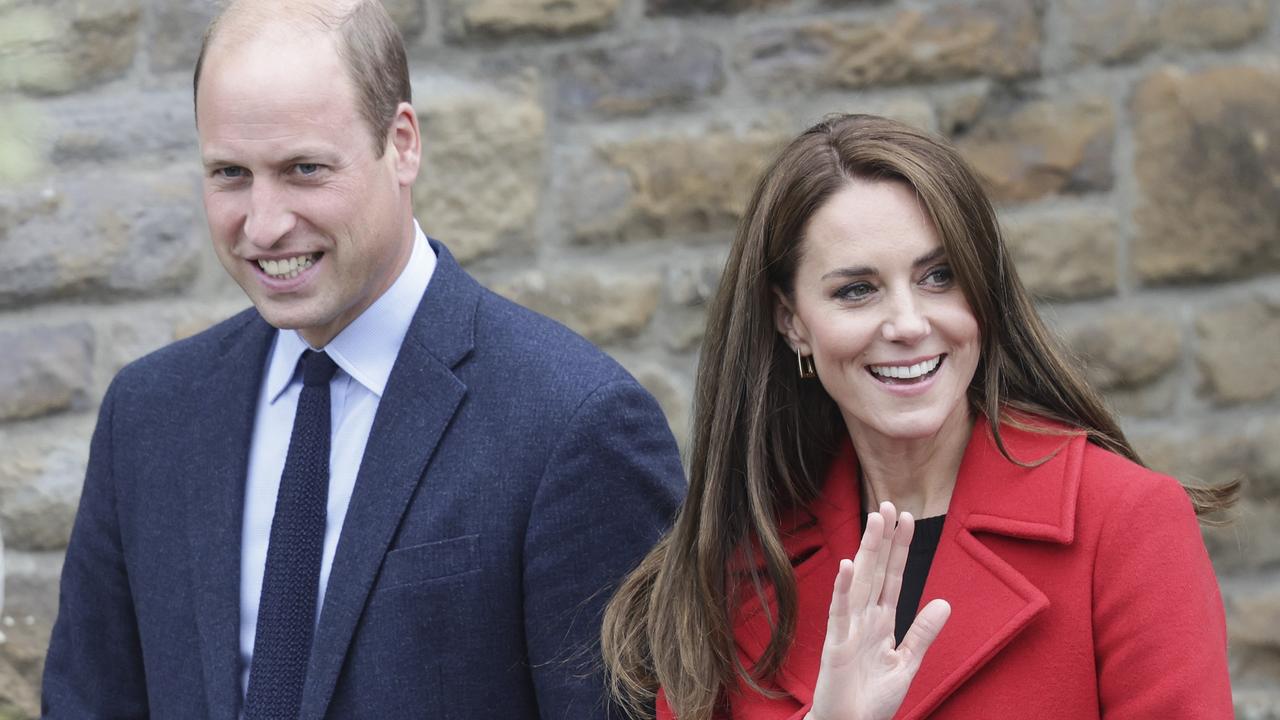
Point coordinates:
[(421, 397), (826, 533), (214, 473), (992, 602)]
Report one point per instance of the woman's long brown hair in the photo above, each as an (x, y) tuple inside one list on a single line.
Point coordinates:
[(762, 438)]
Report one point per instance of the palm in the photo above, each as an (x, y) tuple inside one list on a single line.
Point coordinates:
[(863, 676)]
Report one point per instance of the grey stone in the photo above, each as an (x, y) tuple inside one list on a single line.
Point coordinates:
[(47, 369), (1239, 350), (638, 76), (103, 234), (42, 468)]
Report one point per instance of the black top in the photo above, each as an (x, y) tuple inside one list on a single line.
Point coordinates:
[(919, 558)]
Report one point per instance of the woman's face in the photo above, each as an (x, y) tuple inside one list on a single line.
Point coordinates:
[(876, 304)]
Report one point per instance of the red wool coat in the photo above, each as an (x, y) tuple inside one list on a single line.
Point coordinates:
[(1079, 589)]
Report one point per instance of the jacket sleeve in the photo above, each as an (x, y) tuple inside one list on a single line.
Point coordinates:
[(94, 666), (610, 490), (1159, 627)]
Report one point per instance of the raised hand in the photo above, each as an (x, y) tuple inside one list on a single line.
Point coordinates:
[(862, 675)]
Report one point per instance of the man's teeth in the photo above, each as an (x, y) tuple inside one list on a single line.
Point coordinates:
[(287, 267), (907, 372)]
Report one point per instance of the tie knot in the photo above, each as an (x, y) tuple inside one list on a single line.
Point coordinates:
[(317, 368)]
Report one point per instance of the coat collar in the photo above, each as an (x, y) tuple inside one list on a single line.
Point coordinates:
[(992, 602)]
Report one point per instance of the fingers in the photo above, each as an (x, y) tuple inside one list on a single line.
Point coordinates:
[(929, 622), (841, 612), (864, 562), (898, 560), (886, 546)]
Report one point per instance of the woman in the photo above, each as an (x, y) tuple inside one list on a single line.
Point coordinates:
[(870, 341)]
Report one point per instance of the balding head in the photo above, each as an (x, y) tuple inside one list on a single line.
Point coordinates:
[(366, 38)]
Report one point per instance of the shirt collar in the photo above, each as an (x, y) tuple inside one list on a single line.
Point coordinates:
[(367, 348)]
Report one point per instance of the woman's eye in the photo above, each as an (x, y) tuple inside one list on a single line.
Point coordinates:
[(855, 291), (940, 276)]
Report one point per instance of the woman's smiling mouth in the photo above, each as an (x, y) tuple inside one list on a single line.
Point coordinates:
[(907, 374)]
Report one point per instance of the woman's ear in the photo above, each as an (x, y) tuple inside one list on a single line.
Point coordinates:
[(789, 323)]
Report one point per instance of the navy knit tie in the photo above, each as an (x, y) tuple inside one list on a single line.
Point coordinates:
[(287, 607)]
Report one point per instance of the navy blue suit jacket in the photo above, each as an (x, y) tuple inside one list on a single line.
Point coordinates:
[(513, 475)]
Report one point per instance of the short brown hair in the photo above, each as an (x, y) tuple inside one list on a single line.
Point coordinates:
[(372, 50)]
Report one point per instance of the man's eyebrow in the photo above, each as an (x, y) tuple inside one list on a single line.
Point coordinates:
[(865, 270)]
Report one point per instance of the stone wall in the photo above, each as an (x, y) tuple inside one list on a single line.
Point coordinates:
[(589, 158)]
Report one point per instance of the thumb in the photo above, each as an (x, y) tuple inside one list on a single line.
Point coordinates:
[(928, 624)]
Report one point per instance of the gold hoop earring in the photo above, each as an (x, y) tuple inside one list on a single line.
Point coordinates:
[(808, 370)]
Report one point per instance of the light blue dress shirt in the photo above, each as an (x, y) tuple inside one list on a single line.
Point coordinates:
[(365, 351)]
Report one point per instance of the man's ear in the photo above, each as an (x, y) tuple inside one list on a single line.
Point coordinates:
[(789, 323), (405, 141)]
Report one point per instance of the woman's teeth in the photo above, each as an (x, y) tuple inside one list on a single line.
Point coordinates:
[(287, 268), (906, 372)]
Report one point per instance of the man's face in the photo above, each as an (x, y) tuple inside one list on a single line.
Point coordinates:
[(302, 215)]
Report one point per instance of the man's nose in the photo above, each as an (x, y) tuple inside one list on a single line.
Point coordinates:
[(270, 217), (905, 321)]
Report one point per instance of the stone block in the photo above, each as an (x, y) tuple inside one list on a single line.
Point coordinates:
[(123, 233), (997, 38), (52, 48), (1027, 150), (1207, 163), (638, 76), (122, 127), (409, 15), (498, 18), (693, 283), (31, 587), (1257, 704), (1250, 543), (482, 165), (1239, 350), (601, 307), (47, 369), (653, 187), (1127, 348), (42, 468), (1216, 452), (1106, 31), (179, 27), (1253, 614), (1065, 254)]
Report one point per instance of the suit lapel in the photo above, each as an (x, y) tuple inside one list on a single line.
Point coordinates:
[(421, 397), (214, 473), (992, 602)]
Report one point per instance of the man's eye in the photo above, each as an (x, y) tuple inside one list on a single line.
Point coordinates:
[(307, 168), (231, 173)]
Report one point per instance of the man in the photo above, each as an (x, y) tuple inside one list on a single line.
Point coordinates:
[(422, 517)]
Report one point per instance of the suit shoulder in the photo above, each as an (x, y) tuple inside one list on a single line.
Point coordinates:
[(542, 349), (184, 359)]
